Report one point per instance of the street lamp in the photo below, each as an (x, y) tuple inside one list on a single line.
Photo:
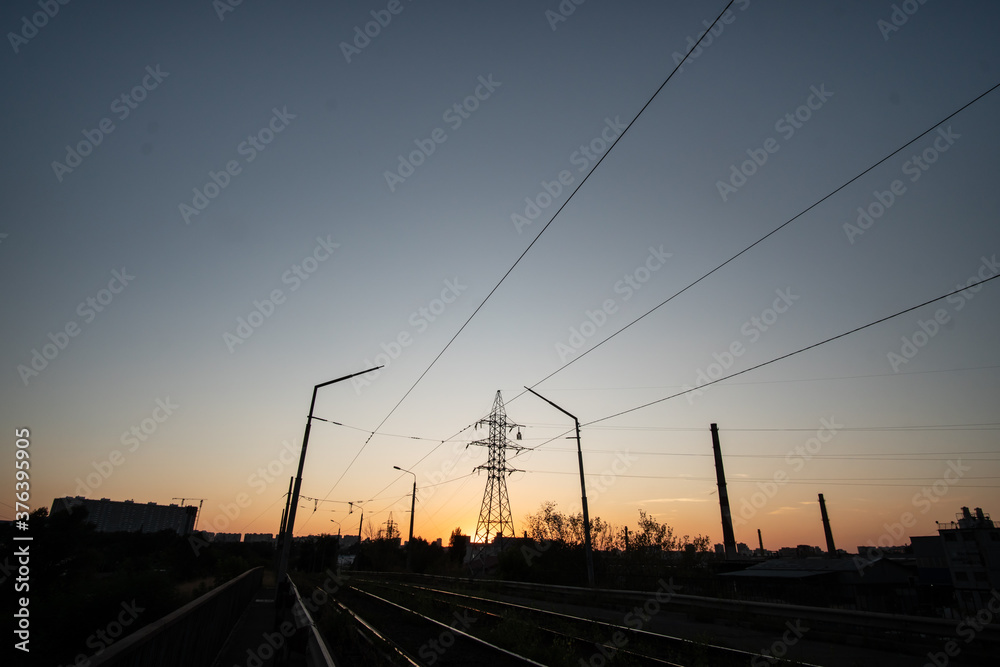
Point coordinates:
[(294, 502), (413, 504), (338, 528), (583, 489), (361, 522)]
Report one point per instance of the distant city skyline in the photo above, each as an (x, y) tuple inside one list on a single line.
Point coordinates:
[(198, 231)]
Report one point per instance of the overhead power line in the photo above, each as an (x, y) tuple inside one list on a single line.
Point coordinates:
[(678, 293), (912, 456), (771, 361), (799, 351), (984, 426), (569, 198), (762, 239), (825, 378)]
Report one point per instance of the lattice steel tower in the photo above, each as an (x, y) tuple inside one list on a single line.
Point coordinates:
[(494, 516)]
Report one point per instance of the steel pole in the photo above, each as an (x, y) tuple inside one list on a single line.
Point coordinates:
[(294, 502), (583, 491), (413, 506), (586, 512)]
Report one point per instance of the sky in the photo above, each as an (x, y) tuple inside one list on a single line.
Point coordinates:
[(208, 209)]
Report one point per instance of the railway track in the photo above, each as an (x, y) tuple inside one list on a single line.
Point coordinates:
[(395, 634), (446, 627), (834, 636)]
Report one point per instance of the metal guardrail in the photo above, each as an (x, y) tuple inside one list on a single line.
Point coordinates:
[(191, 635), (317, 652)]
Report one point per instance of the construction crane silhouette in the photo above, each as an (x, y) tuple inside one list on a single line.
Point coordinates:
[(197, 516)]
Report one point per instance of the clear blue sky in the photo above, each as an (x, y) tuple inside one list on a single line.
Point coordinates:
[(308, 118)]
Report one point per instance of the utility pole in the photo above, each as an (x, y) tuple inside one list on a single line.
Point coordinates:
[(413, 506), (281, 530), (294, 500), (360, 523), (583, 491)]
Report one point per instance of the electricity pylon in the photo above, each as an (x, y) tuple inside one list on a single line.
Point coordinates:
[(494, 516)]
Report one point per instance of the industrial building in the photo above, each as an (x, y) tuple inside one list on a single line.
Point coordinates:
[(964, 553)]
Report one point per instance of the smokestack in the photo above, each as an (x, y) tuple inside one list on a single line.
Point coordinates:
[(760, 541), (728, 538), (830, 548)]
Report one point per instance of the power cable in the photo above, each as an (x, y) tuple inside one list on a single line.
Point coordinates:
[(763, 238), (569, 198), (799, 351), (769, 362)]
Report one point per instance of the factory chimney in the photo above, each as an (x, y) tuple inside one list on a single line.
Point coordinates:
[(830, 548), (728, 538)]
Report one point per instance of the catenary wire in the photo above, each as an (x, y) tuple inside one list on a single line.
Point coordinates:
[(763, 238), (569, 198), (765, 363)]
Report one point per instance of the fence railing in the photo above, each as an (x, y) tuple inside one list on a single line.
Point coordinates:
[(192, 635), (317, 653)]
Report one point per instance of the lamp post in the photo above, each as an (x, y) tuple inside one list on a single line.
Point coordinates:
[(294, 502), (413, 505), (583, 490)]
